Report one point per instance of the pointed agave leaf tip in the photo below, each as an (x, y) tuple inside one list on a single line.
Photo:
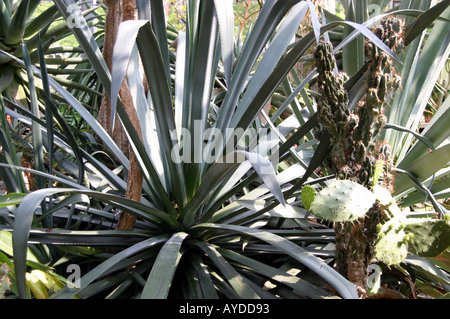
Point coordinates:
[(126, 39), (266, 172), (315, 20)]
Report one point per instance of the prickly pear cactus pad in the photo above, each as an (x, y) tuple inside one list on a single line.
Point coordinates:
[(429, 237), (342, 201), (392, 243)]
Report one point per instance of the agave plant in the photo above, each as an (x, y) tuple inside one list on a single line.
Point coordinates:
[(206, 227), (188, 214)]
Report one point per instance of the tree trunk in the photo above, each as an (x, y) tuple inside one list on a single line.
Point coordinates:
[(114, 16), (119, 11)]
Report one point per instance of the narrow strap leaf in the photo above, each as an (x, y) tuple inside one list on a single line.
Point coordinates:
[(315, 20), (160, 278), (126, 39), (342, 285), (233, 277), (225, 15)]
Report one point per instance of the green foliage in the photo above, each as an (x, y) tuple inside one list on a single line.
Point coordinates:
[(5, 282), (11, 199), (308, 195), (207, 229)]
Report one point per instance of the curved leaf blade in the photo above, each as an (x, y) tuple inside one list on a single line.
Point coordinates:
[(234, 278), (225, 16), (345, 288), (98, 271), (160, 279), (126, 39)]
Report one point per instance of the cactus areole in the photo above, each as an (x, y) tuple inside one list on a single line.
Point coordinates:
[(357, 158), (342, 201)]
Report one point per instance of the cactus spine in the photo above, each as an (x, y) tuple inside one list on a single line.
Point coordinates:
[(381, 79), (342, 201), (355, 154)]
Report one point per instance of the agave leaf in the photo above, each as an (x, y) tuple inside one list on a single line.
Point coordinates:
[(286, 64), (98, 167), (286, 176), (427, 269), (286, 211), (89, 44), (48, 111), (11, 199), (65, 181), (229, 187), (6, 76), (86, 39), (423, 64), (233, 277), (161, 97), (203, 65), (99, 238), (25, 212), (40, 21), (268, 19), (161, 276), (99, 270), (423, 168), (147, 120), (314, 19), (420, 137), (271, 57), (440, 190), (423, 188), (5, 19), (229, 211), (180, 83), (18, 23), (204, 277), (436, 132), (126, 38), (38, 148), (225, 16), (276, 275), (424, 21), (354, 52), (342, 285), (214, 176), (319, 156), (159, 28), (264, 169)]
